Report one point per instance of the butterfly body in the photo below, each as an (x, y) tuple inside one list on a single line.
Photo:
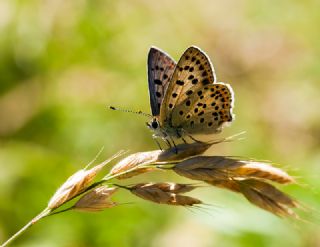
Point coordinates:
[(185, 97), (165, 130)]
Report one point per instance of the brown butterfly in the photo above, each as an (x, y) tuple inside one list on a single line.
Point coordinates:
[(185, 98)]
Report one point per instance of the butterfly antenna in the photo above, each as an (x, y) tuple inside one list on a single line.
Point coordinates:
[(125, 110)]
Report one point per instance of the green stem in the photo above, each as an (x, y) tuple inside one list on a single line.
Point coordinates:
[(44, 213), (61, 211)]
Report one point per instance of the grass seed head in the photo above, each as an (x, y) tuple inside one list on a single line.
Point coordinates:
[(261, 194), (206, 168), (165, 193), (96, 200), (167, 187), (133, 163), (263, 171), (203, 168), (76, 184), (181, 200)]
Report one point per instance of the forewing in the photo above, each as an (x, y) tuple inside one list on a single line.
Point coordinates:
[(160, 70), (193, 71), (206, 110)]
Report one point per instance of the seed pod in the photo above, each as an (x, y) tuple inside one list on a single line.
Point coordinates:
[(96, 200)]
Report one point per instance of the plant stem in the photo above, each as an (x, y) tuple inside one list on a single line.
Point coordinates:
[(44, 213)]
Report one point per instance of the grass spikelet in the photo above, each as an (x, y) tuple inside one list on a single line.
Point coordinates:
[(270, 191), (262, 171), (165, 193), (135, 172), (175, 188), (261, 194), (76, 184), (203, 168), (133, 163), (229, 184), (96, 200), (181, 200), (223, 168)]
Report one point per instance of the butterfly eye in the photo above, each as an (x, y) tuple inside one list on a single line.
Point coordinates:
[(154, 124)]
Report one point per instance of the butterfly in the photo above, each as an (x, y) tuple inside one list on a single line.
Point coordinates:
[(185, 98)]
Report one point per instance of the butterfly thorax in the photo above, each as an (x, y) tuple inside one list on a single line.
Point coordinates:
[(163, 131)]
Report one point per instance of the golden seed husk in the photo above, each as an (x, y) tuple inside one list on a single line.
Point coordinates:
[(135, 172), (229, 184), (76, 184), (72, 187), (165, 193), (167, 187), (261, 194), (223, 168), (135, 160), (181, 200), (262, 171), (134, 164), (96, 200)]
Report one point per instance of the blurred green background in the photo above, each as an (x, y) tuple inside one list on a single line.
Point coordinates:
[(63, 62)]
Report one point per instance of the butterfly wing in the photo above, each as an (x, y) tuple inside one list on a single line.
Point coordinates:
[(160, 70), (193, 71), (206, 110)]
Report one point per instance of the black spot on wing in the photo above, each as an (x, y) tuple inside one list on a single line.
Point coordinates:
[(158, 82), (180, 83)]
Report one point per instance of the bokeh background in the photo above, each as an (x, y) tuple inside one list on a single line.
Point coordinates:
[(63, 62)]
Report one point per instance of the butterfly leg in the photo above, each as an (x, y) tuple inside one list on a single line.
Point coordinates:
[(179, 135), (192, 138), (184, 140), (168, 142), (175, 146), (158, 144)]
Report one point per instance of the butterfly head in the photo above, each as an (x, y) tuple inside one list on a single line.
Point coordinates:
[(154, 124)]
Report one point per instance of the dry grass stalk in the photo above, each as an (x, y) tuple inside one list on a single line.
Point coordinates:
[(206, 168), (76, 184), (96, 200), (165, 193), (261, 194)]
